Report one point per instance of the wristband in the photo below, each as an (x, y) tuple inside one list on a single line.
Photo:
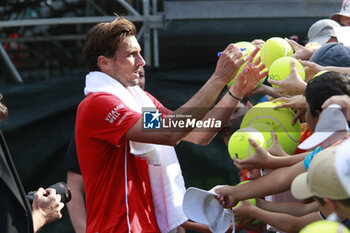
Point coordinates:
[(321, 215), (228, 91)]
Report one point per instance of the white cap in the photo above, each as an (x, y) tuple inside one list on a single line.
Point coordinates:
[(321, 31), (201, 206), (331, 120)]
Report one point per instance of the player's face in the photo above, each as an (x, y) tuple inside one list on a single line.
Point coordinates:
[(127, 63), (344, 21)]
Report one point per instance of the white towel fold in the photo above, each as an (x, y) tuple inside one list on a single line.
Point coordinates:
[(166, 179)]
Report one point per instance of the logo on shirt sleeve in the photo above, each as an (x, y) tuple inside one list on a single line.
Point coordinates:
[(151, 119), (114, 114)]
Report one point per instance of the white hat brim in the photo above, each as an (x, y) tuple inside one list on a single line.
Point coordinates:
[(321, 40), (299, 188), (193, 202), (202, 207), (314, 140)]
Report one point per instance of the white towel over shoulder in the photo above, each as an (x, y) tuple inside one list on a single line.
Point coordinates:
[(166, 179)]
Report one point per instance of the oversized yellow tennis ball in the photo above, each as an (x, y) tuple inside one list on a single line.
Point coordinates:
[(324, 226), (252, 201), (280, 69), (280, 121), (248, 49), (239, 146), (273, 49)]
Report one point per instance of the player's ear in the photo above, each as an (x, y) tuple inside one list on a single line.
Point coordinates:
[(103, 63)]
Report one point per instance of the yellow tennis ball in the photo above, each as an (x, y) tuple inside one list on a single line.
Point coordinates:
[(280, 121), (280, 69), (266, 131), (249, 48), (239, 146), (251, 200), (273, 49), (313, 46), (324, 226)]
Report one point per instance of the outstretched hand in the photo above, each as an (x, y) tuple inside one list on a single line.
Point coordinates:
[(297, 102), (300, 52), (226, 196), (276, 149), (242, 212), (258, 42), (259, 159), (251, 74), (243, 216), (314, 66), (342, 100), (292, 85), (229, 63), (264, 90), (311, 69)]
